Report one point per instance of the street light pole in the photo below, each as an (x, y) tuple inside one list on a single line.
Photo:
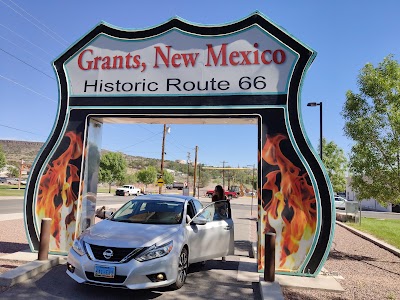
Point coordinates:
[(320, 124)]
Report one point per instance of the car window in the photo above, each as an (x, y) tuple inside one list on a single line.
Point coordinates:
[(150, 212), (191, 212), (198, 205), (216, 211)]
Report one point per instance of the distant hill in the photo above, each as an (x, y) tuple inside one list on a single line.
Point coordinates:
[(27, 151), (17, 150)]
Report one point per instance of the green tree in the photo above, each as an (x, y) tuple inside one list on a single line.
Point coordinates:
[(168, 177), (131, 178), (112, 168), (12, 171), (336, 165), (373, 121), (3, 160), (204, 178), (147, 176)]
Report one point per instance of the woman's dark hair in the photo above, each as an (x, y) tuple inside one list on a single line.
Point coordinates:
[(219, 191)]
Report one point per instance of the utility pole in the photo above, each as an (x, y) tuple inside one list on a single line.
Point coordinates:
[(188, 161), (223, 174), (162, 156), (20, 173), (198, 184), (195, 171)]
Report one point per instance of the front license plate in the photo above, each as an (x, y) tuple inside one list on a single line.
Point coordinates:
[(103, 271)]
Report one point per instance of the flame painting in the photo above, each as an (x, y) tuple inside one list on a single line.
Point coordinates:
[(56, 198), (290, 211)]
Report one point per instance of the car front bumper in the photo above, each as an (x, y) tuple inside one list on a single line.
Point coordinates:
[(132, 274)]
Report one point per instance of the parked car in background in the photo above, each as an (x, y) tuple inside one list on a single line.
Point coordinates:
[(340, 202), (3, 179), (127, 190), (150, 242), (175, 185), (15, 181)]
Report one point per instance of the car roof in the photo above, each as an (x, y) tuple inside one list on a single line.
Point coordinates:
[(168, 197)]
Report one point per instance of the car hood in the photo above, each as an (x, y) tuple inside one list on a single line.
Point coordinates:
[(128, 235)]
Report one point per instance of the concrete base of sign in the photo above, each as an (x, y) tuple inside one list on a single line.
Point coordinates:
[(320, 282)]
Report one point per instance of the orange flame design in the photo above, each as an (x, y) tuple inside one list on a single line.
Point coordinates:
[(291, 211), (56, 198)]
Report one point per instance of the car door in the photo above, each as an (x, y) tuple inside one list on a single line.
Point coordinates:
[(211, 232)]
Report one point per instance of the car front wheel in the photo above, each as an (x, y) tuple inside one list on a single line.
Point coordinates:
[(182, 269)]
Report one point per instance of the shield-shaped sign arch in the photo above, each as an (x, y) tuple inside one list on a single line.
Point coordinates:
[(249, 71)]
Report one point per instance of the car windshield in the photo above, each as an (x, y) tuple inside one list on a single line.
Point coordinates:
[(126, 186), (150, 212)]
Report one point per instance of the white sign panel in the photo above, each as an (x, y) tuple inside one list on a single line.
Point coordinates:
[(250, 61)]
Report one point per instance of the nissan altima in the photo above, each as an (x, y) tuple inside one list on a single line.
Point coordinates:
[(150, 242)]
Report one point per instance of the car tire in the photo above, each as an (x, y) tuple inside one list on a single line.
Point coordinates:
[(209, 195), (182, 270)]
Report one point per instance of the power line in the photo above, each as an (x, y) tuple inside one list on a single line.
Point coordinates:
[(23, 49), (25, 39), (25, 87), (27, 63), (44, 31), (52, 31), (20, 129), (120, 150)]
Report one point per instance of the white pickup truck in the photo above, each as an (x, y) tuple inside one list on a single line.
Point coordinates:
[(127, 190)]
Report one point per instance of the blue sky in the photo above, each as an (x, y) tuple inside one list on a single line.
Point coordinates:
[(345, 34)]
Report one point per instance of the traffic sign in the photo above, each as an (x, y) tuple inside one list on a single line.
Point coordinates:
[(160, 182)]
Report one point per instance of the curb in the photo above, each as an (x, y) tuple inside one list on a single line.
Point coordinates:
[(27, 271), (371, 239)]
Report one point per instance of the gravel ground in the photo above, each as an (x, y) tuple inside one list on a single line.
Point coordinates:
[(369, 271), (12, 239)]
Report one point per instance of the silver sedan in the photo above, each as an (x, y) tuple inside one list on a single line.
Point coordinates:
[(150, 242)]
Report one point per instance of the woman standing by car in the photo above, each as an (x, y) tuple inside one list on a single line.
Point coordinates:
[(219, 194)]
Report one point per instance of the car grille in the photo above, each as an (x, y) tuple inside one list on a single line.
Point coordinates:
[(118, 253), (116, 279)]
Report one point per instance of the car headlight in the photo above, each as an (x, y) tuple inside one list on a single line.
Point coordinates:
[(156, 252), (78, 247)]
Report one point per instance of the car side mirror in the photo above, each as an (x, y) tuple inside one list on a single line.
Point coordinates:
[(199, 221), (104, 213)]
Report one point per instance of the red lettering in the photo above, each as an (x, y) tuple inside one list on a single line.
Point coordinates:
[(232, 57), (175, 58), (136, 60), (88, 63), (215, 58), (246, 60), (276, 57), (164, 58), (263, 57), (189, 58), (127, 61)]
